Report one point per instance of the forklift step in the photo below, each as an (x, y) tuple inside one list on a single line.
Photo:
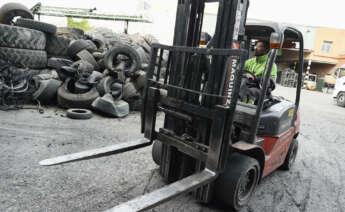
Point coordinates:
[(97, 153), (166, 193)]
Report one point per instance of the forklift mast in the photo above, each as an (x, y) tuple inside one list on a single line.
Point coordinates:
[(198, 92)]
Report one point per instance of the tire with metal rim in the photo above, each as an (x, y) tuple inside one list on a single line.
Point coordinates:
[(21, 38), (341, 99), (235, 186), (291, 155), (37, 25), (11, 10), (76, 113)]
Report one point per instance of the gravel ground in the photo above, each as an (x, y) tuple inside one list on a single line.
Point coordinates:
[(314, 184)]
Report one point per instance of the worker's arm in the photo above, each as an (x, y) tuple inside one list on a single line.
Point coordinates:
[(274, 72)]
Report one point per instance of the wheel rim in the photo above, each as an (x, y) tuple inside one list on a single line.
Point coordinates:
[(341, 98), (247, 184)]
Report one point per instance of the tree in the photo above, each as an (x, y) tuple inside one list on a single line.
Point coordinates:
[(83, 24)]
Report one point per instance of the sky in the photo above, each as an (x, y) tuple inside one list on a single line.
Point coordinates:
[(306, 12), (328, 13)]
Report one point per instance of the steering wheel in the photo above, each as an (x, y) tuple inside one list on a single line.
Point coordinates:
[(245, 72)]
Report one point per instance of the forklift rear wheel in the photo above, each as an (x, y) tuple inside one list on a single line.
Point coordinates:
[(341, 100), (157, 152), (291, 155), (235, 186)]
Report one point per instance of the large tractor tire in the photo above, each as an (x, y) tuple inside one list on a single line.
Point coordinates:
[(24, 57), (21, 38)]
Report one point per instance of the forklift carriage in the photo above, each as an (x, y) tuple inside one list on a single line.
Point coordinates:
[(211, 144)]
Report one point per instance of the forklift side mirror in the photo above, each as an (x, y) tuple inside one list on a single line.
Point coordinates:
[(275, 41)]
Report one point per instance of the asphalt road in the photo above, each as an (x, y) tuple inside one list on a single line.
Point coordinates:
[(314, 184)]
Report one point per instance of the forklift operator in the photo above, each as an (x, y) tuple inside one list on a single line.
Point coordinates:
[(256, 67)]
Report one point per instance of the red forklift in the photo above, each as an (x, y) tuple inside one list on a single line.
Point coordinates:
[(211, 144)]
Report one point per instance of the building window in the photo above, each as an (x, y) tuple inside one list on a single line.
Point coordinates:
[(326, 46)]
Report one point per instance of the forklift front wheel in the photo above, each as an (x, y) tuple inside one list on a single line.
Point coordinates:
[(157, 149), (235, 186)]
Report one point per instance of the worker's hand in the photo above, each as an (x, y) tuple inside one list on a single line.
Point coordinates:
[(250, 76)]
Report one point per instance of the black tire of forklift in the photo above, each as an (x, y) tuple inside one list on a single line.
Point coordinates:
[(157, 149), (290, 156), (11, 10), (341, 99), (36, 25), (21, 38), (235, 186)]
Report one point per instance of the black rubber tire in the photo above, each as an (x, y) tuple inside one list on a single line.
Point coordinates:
[(66, 72), (227, 186), (341, 99), (57, 63), (47, 91), (80, 88), (104, 86), (37, 25), (87, 56), (92, 46), (98, 55), (57, 45), (126, 50), (84, 66), (157, 149), (129, 91), (78, 113), (99, 42), (21, 38), (76, 46), (140, 80), (11, 10), (24, 57), (67, 99), (290, 156)]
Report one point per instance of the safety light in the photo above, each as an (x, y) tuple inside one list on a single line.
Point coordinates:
[(275, 41)]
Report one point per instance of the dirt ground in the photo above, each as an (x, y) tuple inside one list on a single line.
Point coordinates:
[(316, 182)]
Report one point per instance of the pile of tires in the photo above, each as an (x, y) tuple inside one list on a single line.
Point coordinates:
[(98, 70)]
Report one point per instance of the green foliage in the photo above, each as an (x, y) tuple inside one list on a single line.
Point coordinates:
[(83, 24)]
